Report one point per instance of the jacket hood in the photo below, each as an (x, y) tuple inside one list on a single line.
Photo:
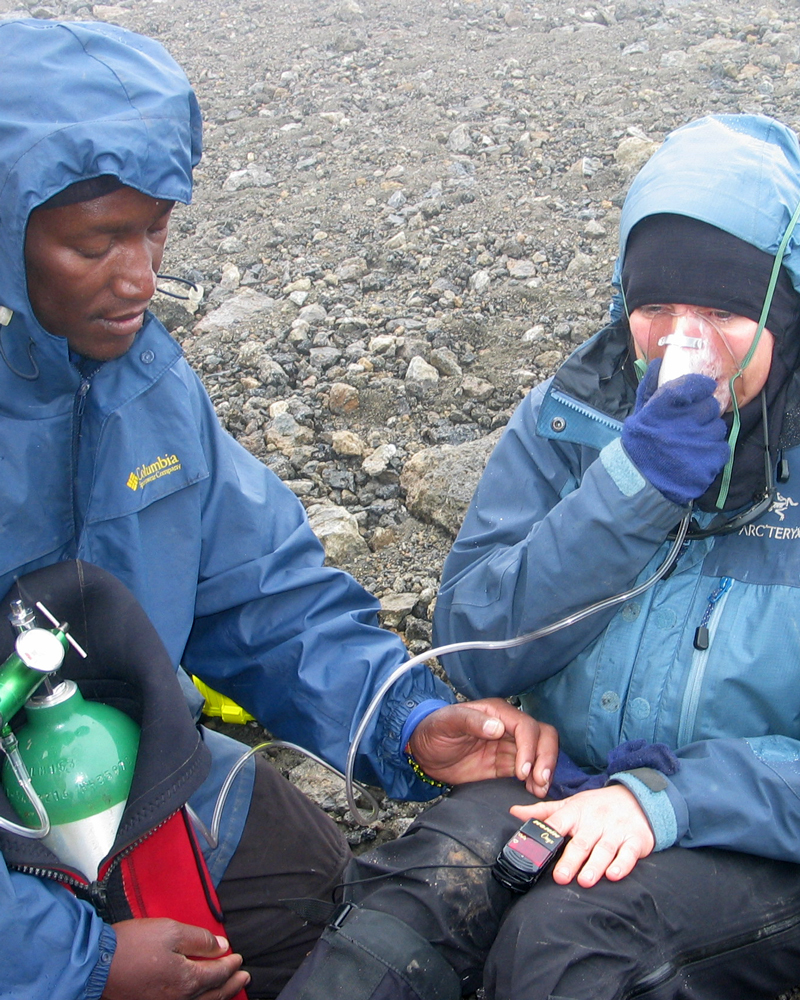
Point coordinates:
[(740, 173), (78, 101)]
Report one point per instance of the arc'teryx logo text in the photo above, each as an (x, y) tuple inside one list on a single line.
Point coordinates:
[(780, 507), (164, 465)]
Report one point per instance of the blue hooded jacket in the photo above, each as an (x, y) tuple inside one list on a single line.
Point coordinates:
[(129, 469), (562, 518)]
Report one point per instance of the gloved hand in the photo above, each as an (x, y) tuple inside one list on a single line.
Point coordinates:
[(675, 436)]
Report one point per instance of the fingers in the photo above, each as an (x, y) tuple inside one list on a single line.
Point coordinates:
[(237, 982), (535, 744), (689, 391), (546, 758), (172, 961), (217, 980), (649, 383), (588, 863), (457, 721), (198, 942), (608, 833), (486, 739)]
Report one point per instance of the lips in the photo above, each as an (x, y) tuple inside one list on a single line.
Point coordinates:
[(123, 326)]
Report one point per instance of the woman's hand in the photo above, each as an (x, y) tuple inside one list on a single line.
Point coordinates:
[(483, 739), (608, 831)]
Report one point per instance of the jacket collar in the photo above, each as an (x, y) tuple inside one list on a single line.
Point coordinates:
[(592, 392)]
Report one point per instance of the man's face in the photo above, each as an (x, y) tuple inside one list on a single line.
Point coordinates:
[(92, 267)]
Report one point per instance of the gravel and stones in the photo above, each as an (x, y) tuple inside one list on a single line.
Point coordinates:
[(406, 216)]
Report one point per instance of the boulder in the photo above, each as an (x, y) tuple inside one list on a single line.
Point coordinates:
[(439, 482)]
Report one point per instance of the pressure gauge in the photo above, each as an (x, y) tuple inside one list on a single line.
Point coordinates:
[(40, 650)]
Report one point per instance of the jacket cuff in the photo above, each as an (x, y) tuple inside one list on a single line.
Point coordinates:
[(107, 945), (618, 465), (415, 716), (650, 790)]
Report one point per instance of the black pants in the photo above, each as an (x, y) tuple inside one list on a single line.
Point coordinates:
[(685, 924), (289, 849)]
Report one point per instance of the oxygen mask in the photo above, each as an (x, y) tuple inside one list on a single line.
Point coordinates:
[(696, 340)]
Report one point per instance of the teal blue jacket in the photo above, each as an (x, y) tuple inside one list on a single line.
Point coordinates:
[(562, 518)]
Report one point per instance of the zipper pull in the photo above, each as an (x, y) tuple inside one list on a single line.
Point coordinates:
[(96, 894), (83, 392), (701, 636)]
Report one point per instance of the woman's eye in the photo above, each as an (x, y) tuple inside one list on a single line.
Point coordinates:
[(721, 315), (650, 312)]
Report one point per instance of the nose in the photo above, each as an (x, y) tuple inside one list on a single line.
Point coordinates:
[(689, 323), (135, 268)]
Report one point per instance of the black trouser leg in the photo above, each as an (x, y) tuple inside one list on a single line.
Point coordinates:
[(449, 896), (368, 955), (691, 924), (289, 849), (423, 931)]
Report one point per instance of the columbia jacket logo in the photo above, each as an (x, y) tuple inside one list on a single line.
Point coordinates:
[(144, 474)]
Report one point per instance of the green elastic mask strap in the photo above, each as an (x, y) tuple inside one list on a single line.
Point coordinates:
[(733, 437)]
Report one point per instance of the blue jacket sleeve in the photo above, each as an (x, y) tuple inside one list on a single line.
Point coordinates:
[(53, 945), (739, 794), (551, 529), (294, 641)]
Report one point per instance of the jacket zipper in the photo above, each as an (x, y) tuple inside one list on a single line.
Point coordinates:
[(93, 892), (587, 411), (691, 697), (80, 406)]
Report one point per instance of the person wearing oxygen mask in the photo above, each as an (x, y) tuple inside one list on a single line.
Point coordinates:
[(678, 710), (634, 545), (127, 509)]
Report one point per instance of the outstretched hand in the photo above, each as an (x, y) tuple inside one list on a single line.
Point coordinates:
[(483, 739), (608, 830), (160, 959)]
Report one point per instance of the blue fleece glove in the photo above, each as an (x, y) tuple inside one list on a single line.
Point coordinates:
[(675, 436), (569, 778)]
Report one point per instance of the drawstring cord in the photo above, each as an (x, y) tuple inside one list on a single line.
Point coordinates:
[(28, 377)]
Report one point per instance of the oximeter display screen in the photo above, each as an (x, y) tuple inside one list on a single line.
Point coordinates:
[(530, 849)]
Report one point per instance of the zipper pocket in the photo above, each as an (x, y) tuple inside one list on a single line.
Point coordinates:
[(691, 694)]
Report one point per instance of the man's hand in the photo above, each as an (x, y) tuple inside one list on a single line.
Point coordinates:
[(475, 740), (160, 959), (609, 833)]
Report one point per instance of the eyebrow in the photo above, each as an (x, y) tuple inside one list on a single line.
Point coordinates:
[(108, 228)]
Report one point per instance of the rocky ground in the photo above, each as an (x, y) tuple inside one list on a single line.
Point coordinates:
[(405, 217)]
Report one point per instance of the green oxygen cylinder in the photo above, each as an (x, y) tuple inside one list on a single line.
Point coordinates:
[(80, 756)]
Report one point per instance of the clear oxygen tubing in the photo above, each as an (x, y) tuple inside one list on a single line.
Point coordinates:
[(10, 748), (520, 640), (212, 835)]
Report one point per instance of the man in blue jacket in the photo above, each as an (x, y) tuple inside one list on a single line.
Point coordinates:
[(682, 877), (110, 452)]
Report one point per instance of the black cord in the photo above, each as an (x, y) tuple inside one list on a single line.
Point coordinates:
[(19, 374), (402, 871), (181, 281)]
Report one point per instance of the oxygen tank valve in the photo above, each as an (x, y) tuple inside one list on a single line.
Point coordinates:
[(38, 652), (22, 617)]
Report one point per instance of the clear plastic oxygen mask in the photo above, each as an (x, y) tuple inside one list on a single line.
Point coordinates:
[(700, 341)]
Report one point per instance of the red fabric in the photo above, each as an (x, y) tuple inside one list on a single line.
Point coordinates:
[(166, 876)]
